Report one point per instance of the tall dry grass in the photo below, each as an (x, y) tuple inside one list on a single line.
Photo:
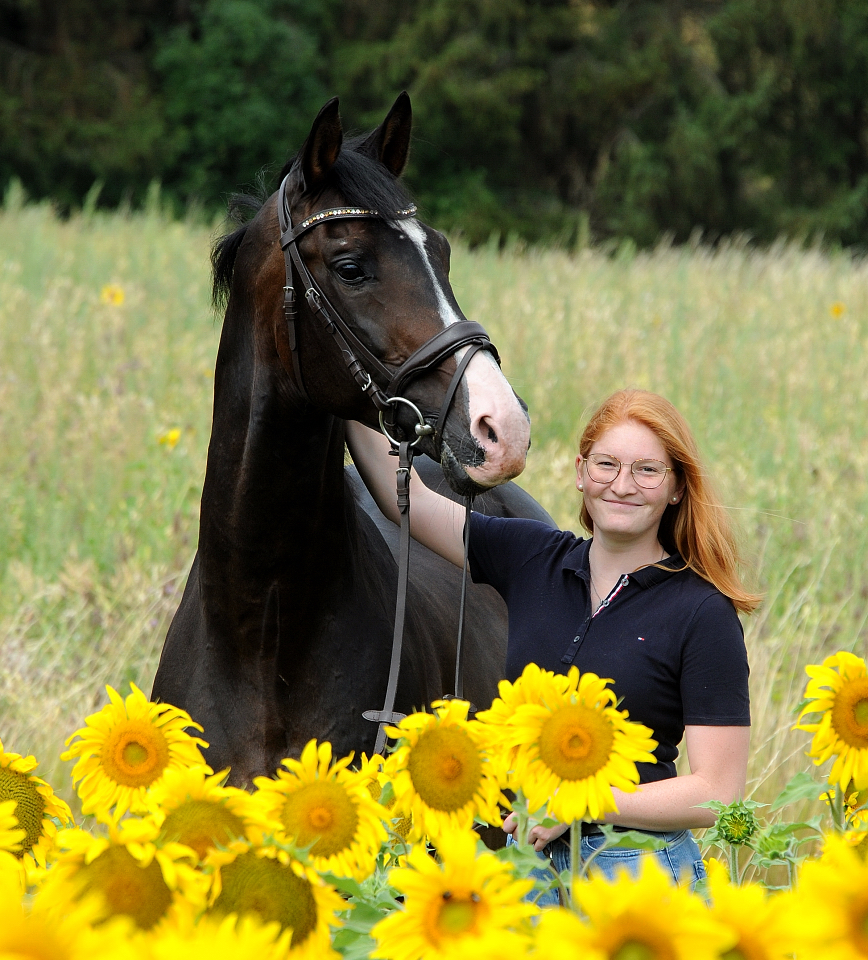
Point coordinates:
[(764, 352)]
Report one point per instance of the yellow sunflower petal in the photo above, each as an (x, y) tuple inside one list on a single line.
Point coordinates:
[(838, 693)]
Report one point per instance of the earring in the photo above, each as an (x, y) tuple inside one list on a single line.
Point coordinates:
[(581, 486), (675, 499)]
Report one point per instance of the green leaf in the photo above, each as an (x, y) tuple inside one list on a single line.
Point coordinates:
[(802, 787), (637, 839)]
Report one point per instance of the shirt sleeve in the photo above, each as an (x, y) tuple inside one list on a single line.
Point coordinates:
[(500, 546), (714, 667)]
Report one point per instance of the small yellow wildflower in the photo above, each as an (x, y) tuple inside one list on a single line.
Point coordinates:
[(170, 438), (112, 294), (837, 309)]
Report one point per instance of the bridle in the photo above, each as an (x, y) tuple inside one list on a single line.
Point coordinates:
[(384, 386)]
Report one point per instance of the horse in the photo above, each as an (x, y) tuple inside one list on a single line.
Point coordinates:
[(283, 633)]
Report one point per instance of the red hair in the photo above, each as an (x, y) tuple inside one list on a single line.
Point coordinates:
[(697, 527)]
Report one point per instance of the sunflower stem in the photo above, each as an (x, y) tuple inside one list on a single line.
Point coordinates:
[(523, 818), (734, 873), (837, 807), (575, 860)]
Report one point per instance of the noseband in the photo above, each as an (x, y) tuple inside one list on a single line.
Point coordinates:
[(385, 388), (382, 384)]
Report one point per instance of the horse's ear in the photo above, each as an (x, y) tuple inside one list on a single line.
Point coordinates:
[(390, 142), (323, 144)]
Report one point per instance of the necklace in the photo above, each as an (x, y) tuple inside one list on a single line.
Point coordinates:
[(594, 586)]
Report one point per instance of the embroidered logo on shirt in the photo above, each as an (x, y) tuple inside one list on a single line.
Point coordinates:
[(641, 638)]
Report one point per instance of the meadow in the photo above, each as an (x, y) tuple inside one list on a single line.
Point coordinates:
[(107, 346)]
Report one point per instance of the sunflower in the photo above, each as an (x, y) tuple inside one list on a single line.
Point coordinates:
[(219, 938), (125, 748), (11, 834), (271, 884), (35, 804), (328, 808), (759, 921), (46, 930), (838, 691), (647, 918), (467, 905), (830, 914), (571, 746), (496, 726), (192, 806), (130, 873), (441, 774), (401, 827)]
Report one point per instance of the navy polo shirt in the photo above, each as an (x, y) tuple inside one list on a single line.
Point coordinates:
[(670, 640)]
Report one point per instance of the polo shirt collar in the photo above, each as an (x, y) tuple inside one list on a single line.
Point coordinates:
[(578, 563)]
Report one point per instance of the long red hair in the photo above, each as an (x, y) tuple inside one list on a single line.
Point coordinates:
[(697, 527)]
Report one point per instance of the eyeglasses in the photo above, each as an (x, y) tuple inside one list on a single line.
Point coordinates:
[(603, 468)]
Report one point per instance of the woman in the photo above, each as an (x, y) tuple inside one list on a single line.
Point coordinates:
[(649, 601)]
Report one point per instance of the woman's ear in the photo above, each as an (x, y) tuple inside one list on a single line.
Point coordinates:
[(579, 462)]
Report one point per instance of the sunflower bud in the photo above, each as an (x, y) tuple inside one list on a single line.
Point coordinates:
[(737, 823)]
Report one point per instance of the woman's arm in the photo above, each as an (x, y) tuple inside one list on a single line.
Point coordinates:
[(718, 771), (435, 521)]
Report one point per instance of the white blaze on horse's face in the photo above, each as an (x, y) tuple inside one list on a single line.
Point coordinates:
[(498, 422)]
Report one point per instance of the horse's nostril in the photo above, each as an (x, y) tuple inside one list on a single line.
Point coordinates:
[(492, 436)]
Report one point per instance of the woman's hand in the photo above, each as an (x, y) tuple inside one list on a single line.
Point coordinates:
[(538, 835)]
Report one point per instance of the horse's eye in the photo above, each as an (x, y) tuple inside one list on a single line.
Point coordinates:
[(349, 271)]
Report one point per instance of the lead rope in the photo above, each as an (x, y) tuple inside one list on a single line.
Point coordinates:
[(459, 664), (388, 715)]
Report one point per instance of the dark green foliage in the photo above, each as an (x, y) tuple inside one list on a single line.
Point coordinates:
[(240, 85), (540, 118)]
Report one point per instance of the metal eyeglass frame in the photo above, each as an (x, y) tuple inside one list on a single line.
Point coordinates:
[(621, 465)]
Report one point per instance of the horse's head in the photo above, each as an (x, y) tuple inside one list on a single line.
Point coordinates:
[(385, 275)]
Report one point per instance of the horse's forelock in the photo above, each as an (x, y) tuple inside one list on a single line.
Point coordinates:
[(359, 179)]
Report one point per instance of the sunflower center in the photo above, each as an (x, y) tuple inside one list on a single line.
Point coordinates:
[(445, 768), (323, 812), (576, 741), (127, 887), (850, 713), (859, 924), (135, 753), (202, 825), (745, 950), (457, 916), (30, 804), (275, 892), (633, 937)]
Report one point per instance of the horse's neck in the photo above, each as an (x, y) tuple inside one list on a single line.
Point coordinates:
[(273, 504)]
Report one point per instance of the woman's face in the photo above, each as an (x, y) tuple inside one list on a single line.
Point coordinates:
[(621, 509)]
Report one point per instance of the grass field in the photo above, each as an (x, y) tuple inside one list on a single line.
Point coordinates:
[(107, 346)]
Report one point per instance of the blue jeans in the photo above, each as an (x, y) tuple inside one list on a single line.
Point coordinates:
[(680, 858)]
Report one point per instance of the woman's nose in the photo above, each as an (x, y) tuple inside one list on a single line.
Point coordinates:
[(624, 480)]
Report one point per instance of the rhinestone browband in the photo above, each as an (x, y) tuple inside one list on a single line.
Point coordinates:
[(351, 212)]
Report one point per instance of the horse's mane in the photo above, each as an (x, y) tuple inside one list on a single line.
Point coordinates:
[(358, 178)]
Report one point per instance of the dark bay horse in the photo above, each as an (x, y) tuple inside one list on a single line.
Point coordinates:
[(284, 630)]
